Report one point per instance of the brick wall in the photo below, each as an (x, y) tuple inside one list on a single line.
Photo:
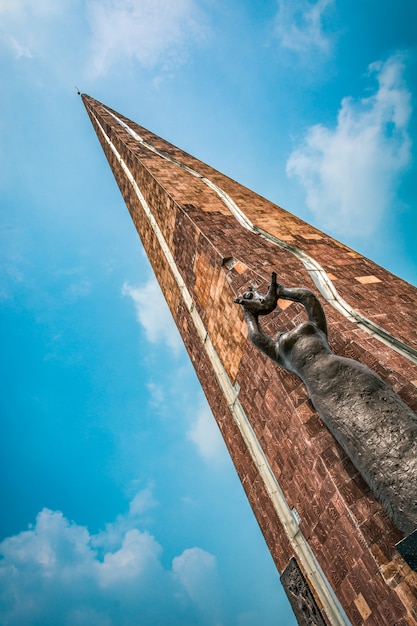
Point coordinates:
[(346, 528)]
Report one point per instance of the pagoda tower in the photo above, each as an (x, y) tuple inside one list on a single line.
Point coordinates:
[(341, 555)]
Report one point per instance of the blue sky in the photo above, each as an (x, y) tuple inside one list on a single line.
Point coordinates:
[(119, 503)]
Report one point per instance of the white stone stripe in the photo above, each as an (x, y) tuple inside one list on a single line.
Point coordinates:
[(298, 542), (317, 273)]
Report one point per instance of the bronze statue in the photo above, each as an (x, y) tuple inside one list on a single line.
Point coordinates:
[(374, 426)]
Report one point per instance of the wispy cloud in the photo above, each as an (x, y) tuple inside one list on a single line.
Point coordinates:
[(350, 173), (197, 571), (299, 26), (110, 539), (19, 50), (149, 32), (7, 5), (11, 275), (153, 314), (205, 434), (20, 6), (157, 395), (77, 290), (26, 26), (57, 572)]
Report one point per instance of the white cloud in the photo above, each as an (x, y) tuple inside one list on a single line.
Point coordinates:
[(146, 31), (142, 501), (77, 290), (20, 6), (299, 25), (26, 26), (7, 5), (350, 173), (153, 314), (110, 538), (157, 395), (57, 572), (136, 559), (19, 50), (10, 276), (197, 571), (205, 434)]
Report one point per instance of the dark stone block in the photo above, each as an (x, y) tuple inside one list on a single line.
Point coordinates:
[(408, 549), (299, 594)]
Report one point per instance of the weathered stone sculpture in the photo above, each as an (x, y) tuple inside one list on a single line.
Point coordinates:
[(299, 594), (374, 426)]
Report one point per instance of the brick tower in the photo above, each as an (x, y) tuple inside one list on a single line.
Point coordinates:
[(207, 238)]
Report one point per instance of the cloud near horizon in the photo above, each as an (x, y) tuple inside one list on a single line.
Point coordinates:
[(57, 572), (196, 569), (351, 173), (149, 32)]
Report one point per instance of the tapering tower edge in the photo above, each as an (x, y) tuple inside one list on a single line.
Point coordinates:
[(207, 237)]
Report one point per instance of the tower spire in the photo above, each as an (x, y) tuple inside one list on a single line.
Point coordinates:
[(207, 238)]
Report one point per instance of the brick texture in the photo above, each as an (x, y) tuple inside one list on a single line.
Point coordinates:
[(347, 529)]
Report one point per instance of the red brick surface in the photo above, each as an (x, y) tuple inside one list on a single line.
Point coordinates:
[(347, 529)]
